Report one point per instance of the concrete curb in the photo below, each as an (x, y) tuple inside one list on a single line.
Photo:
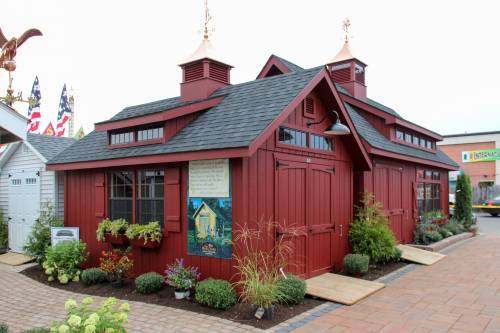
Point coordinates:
[(438, 246)]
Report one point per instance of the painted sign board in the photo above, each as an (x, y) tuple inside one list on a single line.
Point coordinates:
[(209, 178), (481, 155), (209, 209), (62, 234)]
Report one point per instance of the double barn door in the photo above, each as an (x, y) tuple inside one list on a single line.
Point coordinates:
[(305, 199)]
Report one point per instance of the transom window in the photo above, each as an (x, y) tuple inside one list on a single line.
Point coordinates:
[(414, 139), (15, 182), (122, 138), (149, 197), (303, 139), (140, 134)]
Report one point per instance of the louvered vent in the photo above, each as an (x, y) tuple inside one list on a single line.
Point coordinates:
[(218, 72), (360, 74), (341, 75), (193, 72), (309, 105)]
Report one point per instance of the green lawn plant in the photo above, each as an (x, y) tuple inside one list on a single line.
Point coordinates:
[(149, 283), (4, 328), (4, 232), (115, 228), (218, 294), (39, 239), (94, 275), (85, 318), (291, 289), (370, 233), (63, 261), (463, 200), (355, 263), (148, 232)]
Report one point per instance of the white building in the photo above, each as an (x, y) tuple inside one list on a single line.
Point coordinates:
[(12, 125), (26, 185)]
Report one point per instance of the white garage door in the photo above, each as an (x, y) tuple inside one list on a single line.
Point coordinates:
[(24, 207)]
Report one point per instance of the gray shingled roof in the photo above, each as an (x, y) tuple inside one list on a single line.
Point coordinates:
[(247, 109), (49, 146), (290, 65), (377, 140), (370, 101)]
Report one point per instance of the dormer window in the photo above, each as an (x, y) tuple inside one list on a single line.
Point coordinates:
[(137, 136), (411, 138)]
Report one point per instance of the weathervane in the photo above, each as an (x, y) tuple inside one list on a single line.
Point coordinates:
[(7, 62), (208, 18), (345, 26)]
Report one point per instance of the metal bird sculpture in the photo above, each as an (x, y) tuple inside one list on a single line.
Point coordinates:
[(9, 48)]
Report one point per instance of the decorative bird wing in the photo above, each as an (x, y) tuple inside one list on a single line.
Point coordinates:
[(3, 40), (28, 34)]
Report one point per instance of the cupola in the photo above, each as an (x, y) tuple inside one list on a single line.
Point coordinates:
[(203, 72), (347, 70)]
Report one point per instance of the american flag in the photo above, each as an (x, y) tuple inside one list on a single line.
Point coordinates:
[(64, 113), (34, 114)]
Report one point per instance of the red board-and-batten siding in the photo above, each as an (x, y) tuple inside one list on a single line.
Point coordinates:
[(254, 200)]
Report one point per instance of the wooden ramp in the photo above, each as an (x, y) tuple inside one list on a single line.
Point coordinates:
[(420, 256), (15, 259), (341, 289)]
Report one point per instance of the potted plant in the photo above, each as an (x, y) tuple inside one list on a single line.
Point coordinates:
[(356, 264), (113, 231), (117, 263), (145, 235), (181, 278)]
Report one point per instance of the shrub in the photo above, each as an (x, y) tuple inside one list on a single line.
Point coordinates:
[(454, 227), (425, 233), (148, 232), (291, 290), (4, 328), (463, 200), (218, 294), (445, 233), (181, 277), (370, 233), (116, 263), (39, 239), (63, 261), (149, 283), (4, 232), (356, 263), (94, 275), (84, 318), (115, 228)]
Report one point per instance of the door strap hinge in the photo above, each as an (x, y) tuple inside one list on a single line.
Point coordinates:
[(278, 164)]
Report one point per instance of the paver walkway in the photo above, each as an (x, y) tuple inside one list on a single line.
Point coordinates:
[(459, 294)]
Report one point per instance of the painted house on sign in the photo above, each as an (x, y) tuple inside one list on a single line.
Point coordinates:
[(26, 185), (295, 145)]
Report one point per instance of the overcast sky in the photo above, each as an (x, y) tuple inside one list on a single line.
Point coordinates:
[(435, 62)]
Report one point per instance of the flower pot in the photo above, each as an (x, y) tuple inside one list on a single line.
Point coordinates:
[(180, 294), (117, 284), (139, 242), (120, 239), (187, 293)]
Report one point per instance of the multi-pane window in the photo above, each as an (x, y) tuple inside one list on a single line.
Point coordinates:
[(122, 138), (416, 140), (408, 137), (150, 134), (428, 191), (292, 137), (320, 142), (422, 143), (400, 135), (120, 195), (149, 196), (429, 145), (413, 139)]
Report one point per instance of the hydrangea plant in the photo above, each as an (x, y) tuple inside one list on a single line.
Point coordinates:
[(107, 318)]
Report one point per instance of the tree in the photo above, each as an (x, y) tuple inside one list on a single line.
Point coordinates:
[(463, 200)]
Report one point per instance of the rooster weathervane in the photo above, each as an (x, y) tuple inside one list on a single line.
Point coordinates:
[(8, 53)]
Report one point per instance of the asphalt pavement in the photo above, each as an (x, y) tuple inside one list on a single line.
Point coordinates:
[(488, 224)]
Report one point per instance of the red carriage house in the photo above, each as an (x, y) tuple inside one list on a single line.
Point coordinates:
[(222, 155)]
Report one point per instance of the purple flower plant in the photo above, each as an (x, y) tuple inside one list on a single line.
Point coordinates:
[(181, 277)]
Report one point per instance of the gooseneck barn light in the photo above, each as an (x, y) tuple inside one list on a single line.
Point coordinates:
[(336, 129)]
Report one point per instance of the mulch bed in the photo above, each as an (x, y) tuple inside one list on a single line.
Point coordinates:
[(241, 313), (378, 271)]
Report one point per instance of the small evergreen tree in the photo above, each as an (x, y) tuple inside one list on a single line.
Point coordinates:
[(463, 200)]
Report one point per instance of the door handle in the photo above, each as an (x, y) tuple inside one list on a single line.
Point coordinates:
[(9, 218), (341, 230)]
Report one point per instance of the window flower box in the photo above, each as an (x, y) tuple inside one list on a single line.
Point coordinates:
[(119, 239), (148, 244)]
